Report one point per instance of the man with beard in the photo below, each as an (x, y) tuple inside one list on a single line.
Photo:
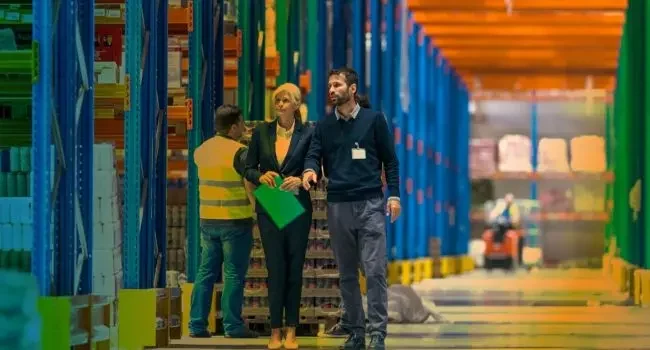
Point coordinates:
[(353, 144)]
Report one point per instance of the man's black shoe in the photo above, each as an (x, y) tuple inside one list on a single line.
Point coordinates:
[(243, 334), (337, 331), (204, 334), (377, 342), (354, 342)]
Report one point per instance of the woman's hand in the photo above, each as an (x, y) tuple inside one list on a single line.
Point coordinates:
[(291, 183), (268, 178)]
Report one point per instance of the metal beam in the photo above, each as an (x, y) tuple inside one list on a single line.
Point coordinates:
[(502, 18), (519, 5), (527, 31), (42, 108), (517, 42)]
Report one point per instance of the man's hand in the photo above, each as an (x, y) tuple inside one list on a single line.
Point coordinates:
[(394, 209), (291, 183), (268, 178), (307, 178)]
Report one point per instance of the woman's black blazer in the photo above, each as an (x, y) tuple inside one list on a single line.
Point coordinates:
[(262, 158)]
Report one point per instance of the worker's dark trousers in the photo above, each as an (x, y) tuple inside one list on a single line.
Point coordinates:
[(358, 235), (285, 251)]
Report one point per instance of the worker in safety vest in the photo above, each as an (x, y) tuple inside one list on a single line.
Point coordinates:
[(226, 216)]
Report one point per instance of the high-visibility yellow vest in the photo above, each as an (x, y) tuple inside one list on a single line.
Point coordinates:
[(222, 194)]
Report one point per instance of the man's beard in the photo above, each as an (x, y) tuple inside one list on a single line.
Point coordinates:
[(342, 99)]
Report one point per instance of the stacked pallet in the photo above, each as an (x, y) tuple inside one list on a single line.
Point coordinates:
[(176, 222)]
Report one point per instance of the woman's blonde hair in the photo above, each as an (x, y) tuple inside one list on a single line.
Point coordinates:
[(294, 94)]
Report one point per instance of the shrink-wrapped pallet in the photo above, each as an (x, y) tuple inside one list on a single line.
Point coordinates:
[(552, 156), (482, 157), (588, 198), (588, 154), (514, 154)]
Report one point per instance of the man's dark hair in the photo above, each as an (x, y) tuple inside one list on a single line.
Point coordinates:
[(363, 101), (226, 116), (350, 75)]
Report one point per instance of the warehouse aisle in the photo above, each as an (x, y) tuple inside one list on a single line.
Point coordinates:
[(572, 309)]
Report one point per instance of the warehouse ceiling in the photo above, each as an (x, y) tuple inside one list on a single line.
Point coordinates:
[(511, 45)]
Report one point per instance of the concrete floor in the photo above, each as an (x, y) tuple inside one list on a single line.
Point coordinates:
[(547, 309)]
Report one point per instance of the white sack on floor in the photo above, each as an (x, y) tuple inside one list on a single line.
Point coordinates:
[(514, 154), (406, 306), (477, 251)]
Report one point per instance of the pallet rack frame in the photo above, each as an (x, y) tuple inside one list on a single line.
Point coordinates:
[(145, 146), (64, 118), (206, 93)]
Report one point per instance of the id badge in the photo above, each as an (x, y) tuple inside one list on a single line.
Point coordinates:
[(358, 153)]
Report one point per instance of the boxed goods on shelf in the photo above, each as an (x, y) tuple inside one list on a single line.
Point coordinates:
[(588, 154), (482, 157), (107, 225), (552, 155), (514, 154), (588, 198), (16, 233)]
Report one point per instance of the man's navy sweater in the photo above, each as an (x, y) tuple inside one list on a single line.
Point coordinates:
[(354, 179)]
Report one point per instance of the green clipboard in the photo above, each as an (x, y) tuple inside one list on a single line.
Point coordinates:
[(282, 207)]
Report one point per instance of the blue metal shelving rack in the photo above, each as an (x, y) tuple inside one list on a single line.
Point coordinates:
[(42, 107), (206, 93), (145, 134), (73, 53)]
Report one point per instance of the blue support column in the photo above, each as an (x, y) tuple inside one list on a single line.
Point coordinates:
[(316, 62), (376, 57), (132, 147), (195, 138), (430, 77), (534, 143), (65, 82), (533, 226), (464, 192), (41, 150), (401, 114), (441, 155), (421, 145), (295, 35), (410, 205), (450, 161), (147, 130), (389, 89), (73, 86), (358, 10), (85, 129), (217, 61), (339, 34), (208, 104), (160, 151)]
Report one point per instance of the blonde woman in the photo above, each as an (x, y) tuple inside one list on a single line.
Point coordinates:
[(279, 148)]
